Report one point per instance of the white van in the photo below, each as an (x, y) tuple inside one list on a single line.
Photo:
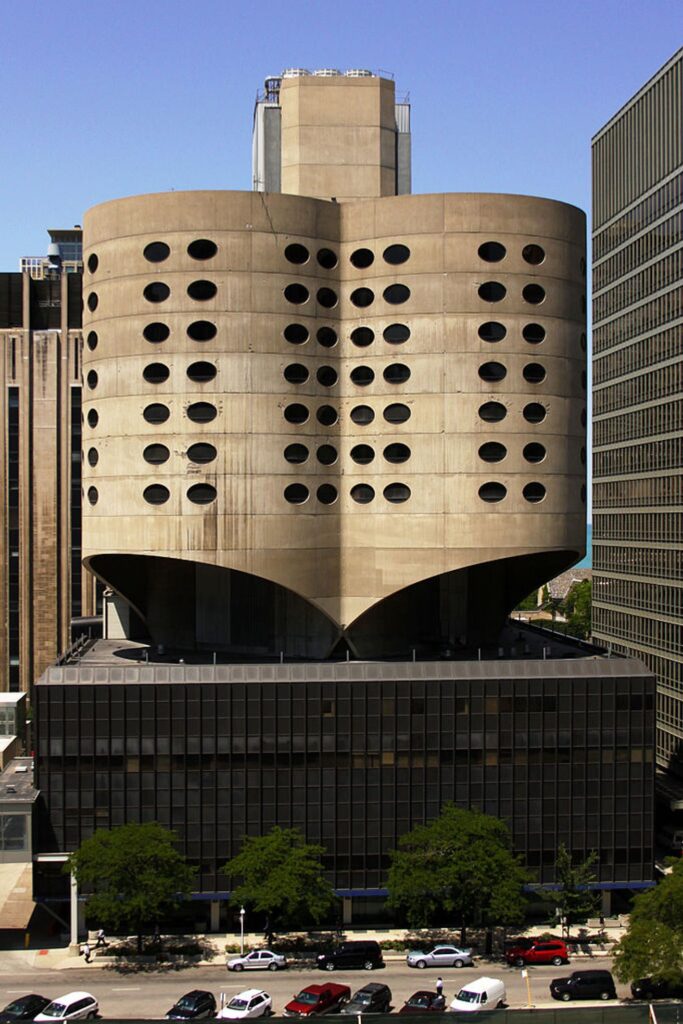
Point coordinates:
[(480, 994)]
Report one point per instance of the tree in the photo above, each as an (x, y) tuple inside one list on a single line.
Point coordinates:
[(578, 604), (653, 943), (574, 900), (135, 874), (281, 876), (461, 862)]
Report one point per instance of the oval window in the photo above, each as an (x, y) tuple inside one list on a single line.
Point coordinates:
[(396, 294), (157, 291), (92, 340), (156, 494), (362, 493), (296, 293), (362, 258), (533, 254), (201, 494), (534, 373), (326, 297), (93, 417), (534, 412), (202, 330), (492, 373), (397, 413), (362, 297), (396, 334), (363, 454), (583, 493), (397, 453), (362, 415), (93, 456), (492, 412), (296, 413), (492, 451), (326, 454), (202, 249), (296, 494), (396, 373), (156, 454), (534, 492), (326, 258), (201, 291), (492, 492), (533, 333), (93, 495), (396, 493), (201, 372), (156, 373), (156, 332), (296, 453), (156, 413), (396, 254), (534, 452), (156, 252), (93, 301), (326, 494), (533, 293), (201, 453), (296, 253), (492, 291), (492, 331), (492, 252), (295, 373), (93, 263), (296, 334), (327, 376), (92, 379), (362, 376), (201, 412), (362, 336), (327, 415), (326, 337)]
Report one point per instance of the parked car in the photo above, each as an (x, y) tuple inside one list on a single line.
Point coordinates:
[(372, 998), (317, 999), (552, 951), (193, 1006), (258, 960), (481, 994), (23, 1008), (72, 1006), (424, 1002), (253, 1002), (584, 985), (352, 954), (440, 956), (649, 988)]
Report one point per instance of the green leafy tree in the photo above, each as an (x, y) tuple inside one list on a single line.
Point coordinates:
[(528, 603), (134, 874), (281, 876), (578, 605), (653, 943), (574, 901), (461, 862)]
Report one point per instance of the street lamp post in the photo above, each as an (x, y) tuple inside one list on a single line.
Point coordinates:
[(242, 931)]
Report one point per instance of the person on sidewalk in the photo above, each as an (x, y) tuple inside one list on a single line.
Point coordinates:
[(439, 986), (85, 950), (101, 940)]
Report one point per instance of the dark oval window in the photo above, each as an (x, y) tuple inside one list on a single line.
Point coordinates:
[(202, 412), (92, 340), (93, 263), (156, 332), (533, 254), (296, 253), (156, 373), (202, 290), (156, 252), (201, 372), (156, 413), (326, 297), (327, 376), (534, 373), (157, 291), (583, 380), (396, 373), (93, 417), (362, 297), (296, 494), (397, 452), (363, 454), (396, 493), (492, 451), (397, 413), (533, 333), (492, 252), (156, 494), (202, 330), (201, 494), (362, 376), (396, 334), (92, 495), (93, 456), (534, 492), (396, 254), (583, 456), (362, 258), (583, 493), (362, 336), (296, 334), (582, 342), (533, 293), (534, 412), (326, 454), (492, 412), (326, 494), (534, 452), (327, 259), (327, 415), (201, 453), (492, 291), (202, 249), (492, 373), (92, 379), (362, 493), (295, 373), (296, 453), (92, 301), (396, 293), (296, 293), (156, 454), (492, 492), (326, 337), (492, 331), (296, 413), (583, 417), (362, 415)]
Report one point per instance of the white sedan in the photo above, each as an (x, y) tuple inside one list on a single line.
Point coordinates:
[(258, 960), (440, 956), (253, 1002)]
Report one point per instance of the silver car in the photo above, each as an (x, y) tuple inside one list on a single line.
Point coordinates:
[(440, 956), (258, 960)]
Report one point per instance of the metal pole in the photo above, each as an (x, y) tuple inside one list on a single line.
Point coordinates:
[(241, 931), (74, 910)]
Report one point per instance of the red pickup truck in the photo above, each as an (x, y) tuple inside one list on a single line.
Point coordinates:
[(317, 999)]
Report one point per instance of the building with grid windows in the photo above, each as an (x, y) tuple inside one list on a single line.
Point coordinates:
[(638, 391)]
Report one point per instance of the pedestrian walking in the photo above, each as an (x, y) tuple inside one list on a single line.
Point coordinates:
[(101, 940), (439, 986), (85, 949)]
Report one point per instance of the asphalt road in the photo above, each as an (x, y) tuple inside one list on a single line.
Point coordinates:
[(138, 992)]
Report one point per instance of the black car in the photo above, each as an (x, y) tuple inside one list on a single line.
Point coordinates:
[(24, 1008), (650, 988), (372, 998), (584, 985), (352, 954), (192, 1006)]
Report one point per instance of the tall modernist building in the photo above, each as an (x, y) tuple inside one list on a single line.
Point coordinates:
[(638, 391), (332, 435)]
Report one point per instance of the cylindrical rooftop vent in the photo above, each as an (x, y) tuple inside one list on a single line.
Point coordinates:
[(327, 72), (295, 72), (359, 73)]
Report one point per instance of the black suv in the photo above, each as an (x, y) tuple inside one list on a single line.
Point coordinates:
[(648, 988), (372, 998), (584, 985), (352, 954), (192, 1006)]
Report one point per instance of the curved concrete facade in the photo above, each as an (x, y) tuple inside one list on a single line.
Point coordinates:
[(249, 570)]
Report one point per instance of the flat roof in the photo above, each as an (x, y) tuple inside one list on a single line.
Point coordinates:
[(16, 782)]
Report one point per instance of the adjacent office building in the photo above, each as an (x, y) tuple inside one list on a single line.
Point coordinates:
[(638, 392)]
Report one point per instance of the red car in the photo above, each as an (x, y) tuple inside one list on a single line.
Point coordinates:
[(424, 1002), (317, 999), (538, 951)]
